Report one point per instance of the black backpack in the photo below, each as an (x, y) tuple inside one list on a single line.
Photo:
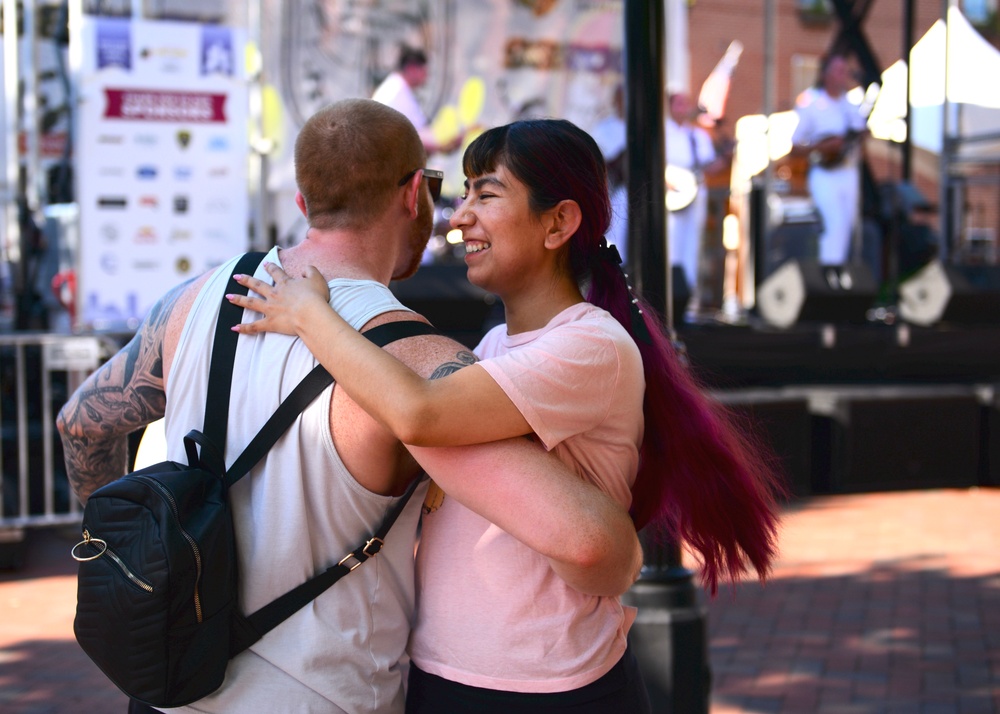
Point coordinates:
[(157, 601)]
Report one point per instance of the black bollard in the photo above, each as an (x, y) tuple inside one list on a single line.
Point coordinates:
[(669, 635)]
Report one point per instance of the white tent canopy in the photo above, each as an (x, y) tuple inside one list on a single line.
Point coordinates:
[(951, 57)]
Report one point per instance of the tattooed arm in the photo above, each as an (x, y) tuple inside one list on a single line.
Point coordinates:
[(125, 394)]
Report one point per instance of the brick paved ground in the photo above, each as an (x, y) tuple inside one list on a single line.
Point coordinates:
[(881, 603), (42, 669)]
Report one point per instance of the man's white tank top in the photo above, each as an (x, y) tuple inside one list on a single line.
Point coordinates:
[(296, 513)]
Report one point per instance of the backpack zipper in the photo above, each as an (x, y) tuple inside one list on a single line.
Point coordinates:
[(135, 579), (191, 541)]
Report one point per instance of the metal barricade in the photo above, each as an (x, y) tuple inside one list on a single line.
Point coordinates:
[(38, 372)]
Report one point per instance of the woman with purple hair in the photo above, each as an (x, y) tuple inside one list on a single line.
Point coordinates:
[(591, 376)]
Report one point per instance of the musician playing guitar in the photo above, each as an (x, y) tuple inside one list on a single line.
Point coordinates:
[(690, 157), (829, 132)]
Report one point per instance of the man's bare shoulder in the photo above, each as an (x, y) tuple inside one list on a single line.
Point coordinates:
[(375, 458), (430, 356)]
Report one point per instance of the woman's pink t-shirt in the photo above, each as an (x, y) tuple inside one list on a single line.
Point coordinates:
[(490, 611)]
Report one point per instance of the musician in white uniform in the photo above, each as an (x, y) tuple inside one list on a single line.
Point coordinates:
[(689, 147), (398, 90), (829, 131)]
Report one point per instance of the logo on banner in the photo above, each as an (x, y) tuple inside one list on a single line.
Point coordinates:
[(218, 143), (147, 139), (112, 202), (216, 50), (114, 43), (110, 232), (183, 138), (146, 234), (149, 201), (182, 173), (109, 263), (170, 58), (171, 52), (183, 265), (539, 7), (165, 106), (180, 204), (146, 172)]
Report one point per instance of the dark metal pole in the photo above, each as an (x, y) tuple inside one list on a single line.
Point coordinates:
[(669, 634), (755, 272), (643, 53), (907, 172), (945, 188)]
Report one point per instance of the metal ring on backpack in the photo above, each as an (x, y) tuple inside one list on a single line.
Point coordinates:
[(88, 541)]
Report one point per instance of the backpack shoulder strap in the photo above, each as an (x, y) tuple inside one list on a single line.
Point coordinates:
[(306, 391), (220, 375), (248, 629), (388, 332)]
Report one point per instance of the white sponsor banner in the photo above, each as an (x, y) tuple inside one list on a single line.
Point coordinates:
[(161, 161)]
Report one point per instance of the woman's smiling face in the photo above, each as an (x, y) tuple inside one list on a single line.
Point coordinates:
[(504, 239)]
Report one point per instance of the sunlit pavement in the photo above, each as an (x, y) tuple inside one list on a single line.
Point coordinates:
[(880, 603)]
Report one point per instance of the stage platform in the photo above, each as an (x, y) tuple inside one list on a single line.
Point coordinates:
[(755, 355), (859, 408)]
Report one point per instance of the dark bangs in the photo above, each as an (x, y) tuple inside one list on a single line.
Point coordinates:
[(486, 153)]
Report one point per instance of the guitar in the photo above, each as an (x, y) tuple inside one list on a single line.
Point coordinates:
[(682, 187), (831, 151)]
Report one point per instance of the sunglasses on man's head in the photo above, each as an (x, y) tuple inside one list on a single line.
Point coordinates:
[(434, 181)]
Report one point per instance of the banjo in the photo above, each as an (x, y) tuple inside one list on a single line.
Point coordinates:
[(682, 187)]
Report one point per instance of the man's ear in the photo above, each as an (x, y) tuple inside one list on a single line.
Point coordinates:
[(561, 223), (300, 201), (412, 194)]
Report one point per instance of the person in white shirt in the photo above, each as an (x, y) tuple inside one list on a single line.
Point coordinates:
[(398, 90), (829, 131), (689, 147)]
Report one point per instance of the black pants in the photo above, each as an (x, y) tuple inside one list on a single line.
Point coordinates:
[(620, 691)]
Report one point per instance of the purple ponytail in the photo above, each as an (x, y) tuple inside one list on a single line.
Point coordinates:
[(702, 479)]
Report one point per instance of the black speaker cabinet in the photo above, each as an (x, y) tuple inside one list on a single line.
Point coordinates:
[(785, 426), (680, 292), (804, 291), (968, 294), (907, 442), (796, 239), (444, 295), (989, 469)]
